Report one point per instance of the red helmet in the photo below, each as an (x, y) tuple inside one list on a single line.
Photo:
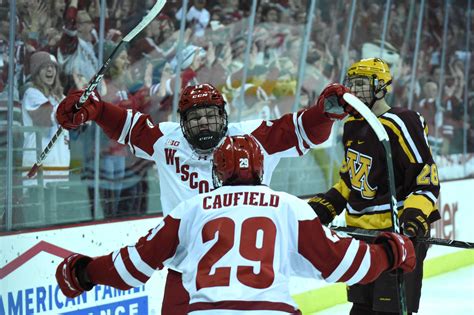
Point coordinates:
[(197, 95), (237, 161), (203, 136)]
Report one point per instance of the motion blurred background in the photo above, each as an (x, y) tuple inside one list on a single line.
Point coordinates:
[(267, 57)]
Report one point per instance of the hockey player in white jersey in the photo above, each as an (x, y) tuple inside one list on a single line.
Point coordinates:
[(182, 151), (238, 245)]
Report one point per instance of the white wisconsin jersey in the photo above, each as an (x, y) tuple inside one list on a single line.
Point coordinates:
[(237, 247), (249, 241), (183, 173)]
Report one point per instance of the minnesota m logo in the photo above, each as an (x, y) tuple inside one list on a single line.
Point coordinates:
[(359, 166)]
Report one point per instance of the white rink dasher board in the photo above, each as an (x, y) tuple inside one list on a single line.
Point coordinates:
[(28, 262)]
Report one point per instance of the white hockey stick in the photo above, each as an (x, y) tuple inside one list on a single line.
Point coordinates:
[(382, 135), (98, 77)]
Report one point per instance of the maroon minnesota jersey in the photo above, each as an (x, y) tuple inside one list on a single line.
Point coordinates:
[(363, 188)]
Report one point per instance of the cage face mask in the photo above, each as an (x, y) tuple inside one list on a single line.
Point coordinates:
[(369, 79), (204, 127), (203, 116)]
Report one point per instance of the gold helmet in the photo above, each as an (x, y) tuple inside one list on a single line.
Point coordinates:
[(375, 69)]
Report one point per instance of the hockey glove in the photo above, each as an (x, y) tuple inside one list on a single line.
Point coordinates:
[(323, 208), (72, 277), (399, 249), (414, 222), (69, 117), (331, 102)]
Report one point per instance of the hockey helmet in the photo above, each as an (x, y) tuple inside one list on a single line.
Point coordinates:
[(198, 101), (238, 161), (376, 71)]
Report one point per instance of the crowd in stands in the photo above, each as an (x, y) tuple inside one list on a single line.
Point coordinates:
[(56, 51)]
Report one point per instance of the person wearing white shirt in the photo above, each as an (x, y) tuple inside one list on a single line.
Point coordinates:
[(198, 16)]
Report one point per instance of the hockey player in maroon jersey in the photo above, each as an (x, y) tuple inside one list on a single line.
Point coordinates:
[(362, 189), (238, 245), (182, 151)]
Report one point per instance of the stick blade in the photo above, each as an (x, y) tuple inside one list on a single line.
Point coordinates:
[(365, 112)]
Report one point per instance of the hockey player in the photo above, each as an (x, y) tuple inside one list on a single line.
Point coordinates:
[(363, 191), (183, 151), (238, 245)]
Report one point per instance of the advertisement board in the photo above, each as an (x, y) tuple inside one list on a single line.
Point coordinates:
[(28, 262)]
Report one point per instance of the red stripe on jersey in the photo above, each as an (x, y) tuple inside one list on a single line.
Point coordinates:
[(325, 254), (378, 263), (145, 134), (277, 135), (157, 246), (362, 250), (316, 125), (244, 306), (102, 271), (131, 268), (301, 129), (111, 120), (155, 249)]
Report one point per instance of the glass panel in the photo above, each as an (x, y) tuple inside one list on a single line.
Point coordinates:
[(88, 176)]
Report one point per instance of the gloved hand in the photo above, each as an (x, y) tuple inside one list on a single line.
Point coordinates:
[(323, 208), (414, 222), (67, 116), (399, 249), (71, 275), (331, 102)]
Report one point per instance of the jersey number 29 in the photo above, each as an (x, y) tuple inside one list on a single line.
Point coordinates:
[(256, 229)]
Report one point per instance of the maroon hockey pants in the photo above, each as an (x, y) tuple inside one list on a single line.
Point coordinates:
[(176, 298)]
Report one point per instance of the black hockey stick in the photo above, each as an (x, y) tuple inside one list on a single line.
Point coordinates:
[(154, 11), (353, 231), (382, 135)]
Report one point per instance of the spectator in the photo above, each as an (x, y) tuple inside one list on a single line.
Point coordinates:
[(76, 48), (277, 230), (197, 16), (433, 117), (39, 105)]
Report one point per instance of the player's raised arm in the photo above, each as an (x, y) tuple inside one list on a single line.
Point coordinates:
[(306, 128), (126, 126)]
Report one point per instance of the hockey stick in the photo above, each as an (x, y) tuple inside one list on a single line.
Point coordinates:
[(98, 77), (382, 135), (353, 231)]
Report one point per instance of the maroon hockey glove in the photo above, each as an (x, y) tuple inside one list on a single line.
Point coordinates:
[(331, 102), (399, 249), (72, 277), (414, 222), (324, 208), (69, 118)]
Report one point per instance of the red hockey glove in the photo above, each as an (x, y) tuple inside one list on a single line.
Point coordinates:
[(399, 249), (414, 222), (67, 116), (71, 275), (331, 102), (324, 208)]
